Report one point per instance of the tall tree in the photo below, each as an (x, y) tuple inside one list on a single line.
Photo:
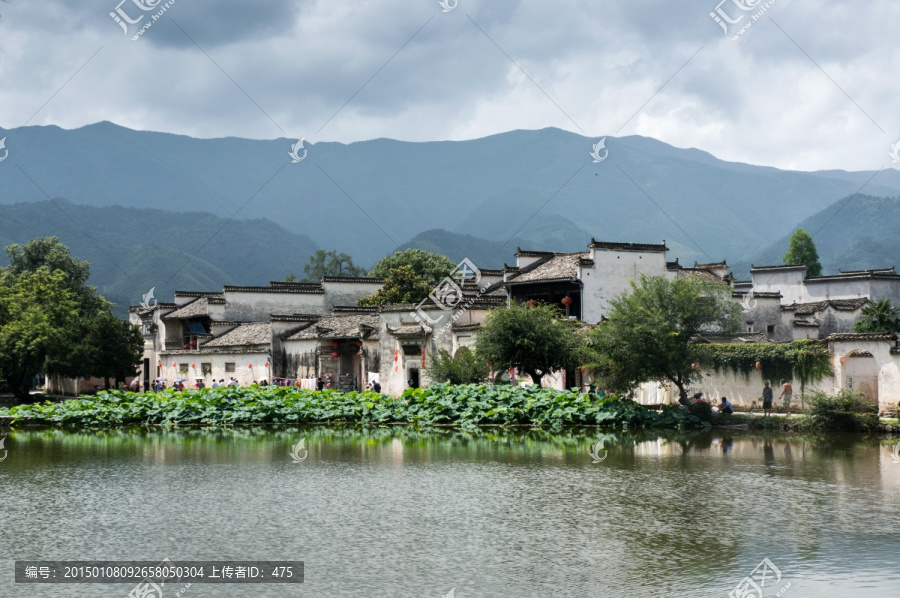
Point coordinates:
[(37, 310), (430, 266), (802, 250), (330, 263), (536, 340), (52, 321), (650, 331), (401, 285), (880, 316)]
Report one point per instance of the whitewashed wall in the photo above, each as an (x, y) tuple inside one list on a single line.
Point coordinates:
[(610, 276)]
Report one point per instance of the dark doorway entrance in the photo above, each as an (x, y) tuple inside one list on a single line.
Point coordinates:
[(413, 377), (146, 374)]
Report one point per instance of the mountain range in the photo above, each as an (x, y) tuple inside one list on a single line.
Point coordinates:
[(153, 199)]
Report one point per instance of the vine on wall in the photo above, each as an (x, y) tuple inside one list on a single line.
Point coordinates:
[(805, 360)]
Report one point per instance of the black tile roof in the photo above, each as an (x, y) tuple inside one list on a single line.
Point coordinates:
[(641, 247)]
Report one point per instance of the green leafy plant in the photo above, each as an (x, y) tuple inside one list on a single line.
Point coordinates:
[(844, 412), (465, 405), (463, 368)]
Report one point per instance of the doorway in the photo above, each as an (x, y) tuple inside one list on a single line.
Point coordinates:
[(413, 377)]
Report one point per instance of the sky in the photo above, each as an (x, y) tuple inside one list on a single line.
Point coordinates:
[(806, 86)]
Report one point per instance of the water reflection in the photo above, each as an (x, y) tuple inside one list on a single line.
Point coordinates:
[(492, 512)]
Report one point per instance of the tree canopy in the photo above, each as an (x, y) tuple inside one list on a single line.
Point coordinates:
[(880, 316), (51, 321), (330, 263), (401, 285), (431, 267), (536, 340), (650, 331), (802, 250)]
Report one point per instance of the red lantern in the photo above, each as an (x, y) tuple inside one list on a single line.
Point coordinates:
[(194, 366), (396, 354), (159, 365), (759, 365), (359, 343), (250, 365), (567, 301), (267, 364), (193, 344), (186, 346), (335, 355), (335, 344), (174, 365)]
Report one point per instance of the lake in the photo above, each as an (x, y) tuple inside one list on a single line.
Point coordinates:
[(394, 512)]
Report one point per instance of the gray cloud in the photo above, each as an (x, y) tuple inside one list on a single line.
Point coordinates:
[(759, 99)]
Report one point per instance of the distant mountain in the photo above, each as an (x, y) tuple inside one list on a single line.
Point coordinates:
[(367, 198), (132, 250), (854, 233)]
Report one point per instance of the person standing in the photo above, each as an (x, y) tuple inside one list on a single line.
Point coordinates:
[(787, 392), (767, 399)]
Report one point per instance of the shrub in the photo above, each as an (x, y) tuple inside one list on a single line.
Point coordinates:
[(462, 368), (701, 410), (844, 412)]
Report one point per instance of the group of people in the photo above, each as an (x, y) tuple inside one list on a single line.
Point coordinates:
[(374, 385), (221, 383), (787, 393), (725, 406)]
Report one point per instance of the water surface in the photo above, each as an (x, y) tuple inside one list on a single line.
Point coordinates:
[(394, 512)]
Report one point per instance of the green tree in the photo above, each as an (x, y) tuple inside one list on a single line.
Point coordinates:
[(401, 285), (463, 368), (430, 266), (37, 310), (106, 347), (49, 252), (535, 340), (880, 316), (802, 250), (650, 331), (330, 263), (290, 277), (52, 321)]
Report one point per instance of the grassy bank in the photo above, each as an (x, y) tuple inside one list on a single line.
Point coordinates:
[(435, 405)]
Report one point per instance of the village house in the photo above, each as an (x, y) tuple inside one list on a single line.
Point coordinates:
[(315, 334)]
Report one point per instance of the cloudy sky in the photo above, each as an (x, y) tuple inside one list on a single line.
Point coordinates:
[(810, 85)]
